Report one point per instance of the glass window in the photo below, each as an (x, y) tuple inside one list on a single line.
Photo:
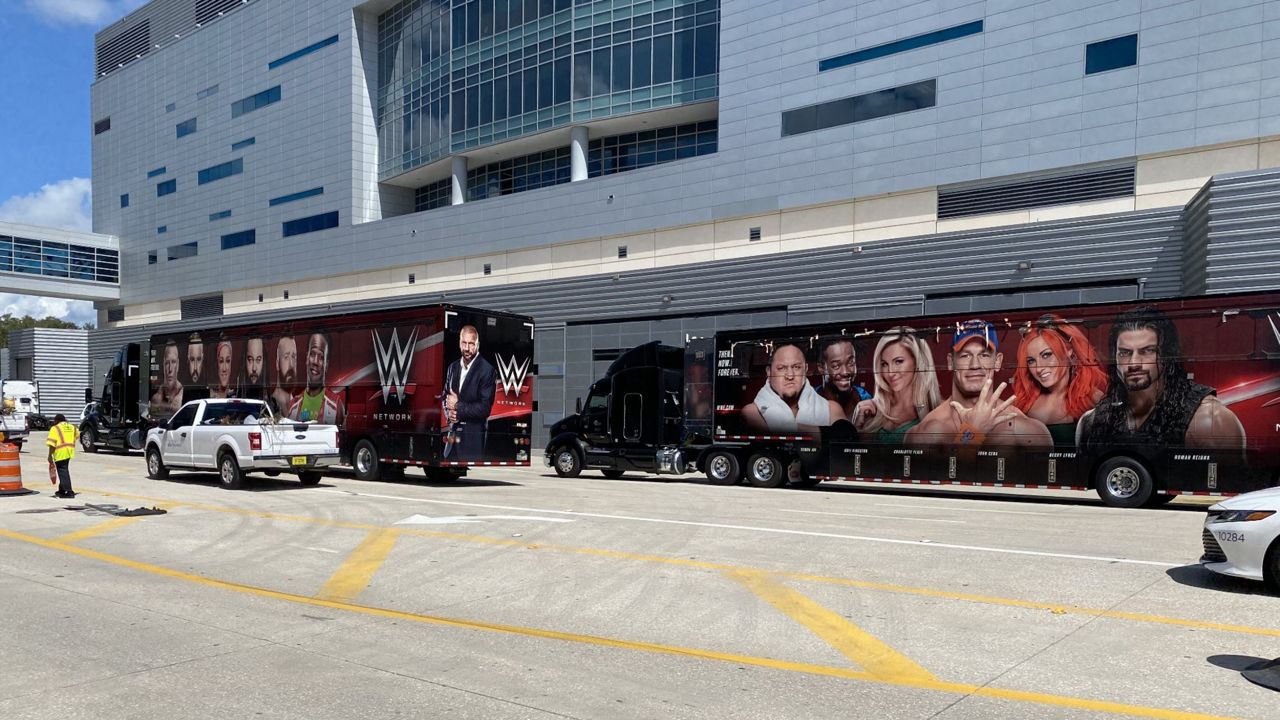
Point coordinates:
[(220, 171), (157, 172), (153, 257), (683, 63), (255, 102), (186, 127), (243, 144), (299, 53), (184, 417), (546, 85), (641, 63), (859, 107), (185, 250), (102, 126), (563, 80), (621, 73), (310, 224), (1111, 54), (898, 46), (706, 50), (662, 58), (295, 196), (239, 239), (168, 187), (581, 76), (124, 200)]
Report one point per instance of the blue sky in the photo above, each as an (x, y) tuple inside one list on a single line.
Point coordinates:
[(47, 56)]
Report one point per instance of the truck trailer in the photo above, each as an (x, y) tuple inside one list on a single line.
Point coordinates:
[(1141, 402), (441, 387)]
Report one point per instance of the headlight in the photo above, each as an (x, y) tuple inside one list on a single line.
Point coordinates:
[(1242, 516)]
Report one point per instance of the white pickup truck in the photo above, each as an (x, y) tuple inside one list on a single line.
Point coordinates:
[(239, 436)]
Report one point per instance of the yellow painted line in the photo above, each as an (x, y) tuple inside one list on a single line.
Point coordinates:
[(100, 528), (599, 641), (357, 571), (850, 640), (722, 567)]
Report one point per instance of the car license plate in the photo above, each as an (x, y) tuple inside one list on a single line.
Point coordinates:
[(299, 460)]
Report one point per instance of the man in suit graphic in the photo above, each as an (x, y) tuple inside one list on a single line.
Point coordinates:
[(470, 386)]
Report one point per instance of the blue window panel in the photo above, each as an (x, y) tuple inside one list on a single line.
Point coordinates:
[(157, 171), (153, 257), (162, 229), (1111, 54), (185, 250), (220, 171), (295, 196), (219, 215), (255, 102), (207, 92), (857, 108), (903, 45), (239, 239), (107, 266), (124, 200), (304, 51), (310, 224), (186, 127), (168, 187), (243, 144)]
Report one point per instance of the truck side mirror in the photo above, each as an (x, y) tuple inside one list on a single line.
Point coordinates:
[(88, 395), (578, 406)]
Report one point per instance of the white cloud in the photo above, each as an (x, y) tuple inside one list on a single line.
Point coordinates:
[(81, 12), (76, 311), (64, 204)]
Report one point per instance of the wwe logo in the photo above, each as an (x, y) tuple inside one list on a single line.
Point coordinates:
[(393, 360), (512, 374)]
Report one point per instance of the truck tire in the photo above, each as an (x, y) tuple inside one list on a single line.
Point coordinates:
[(765, 470), (309, 477), (612, 474), (229, 473), (1124, 482), (155, 464), (722, 468), (364, 459), (567, 462), (89, 439)]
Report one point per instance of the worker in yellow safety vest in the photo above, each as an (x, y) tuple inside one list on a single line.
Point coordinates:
[(62, 447)]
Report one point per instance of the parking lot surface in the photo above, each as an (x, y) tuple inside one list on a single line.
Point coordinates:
[(517, 594)]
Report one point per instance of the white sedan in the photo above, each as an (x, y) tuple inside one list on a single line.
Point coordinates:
[(1241, 537)]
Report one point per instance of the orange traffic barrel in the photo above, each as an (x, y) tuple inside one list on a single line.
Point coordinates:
[(11, 471)]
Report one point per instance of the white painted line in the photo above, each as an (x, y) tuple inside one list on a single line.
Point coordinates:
[(776, 531), (878, 517), (452, 519), (960, 508)]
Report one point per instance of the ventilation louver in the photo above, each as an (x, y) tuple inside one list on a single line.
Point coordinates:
[(1059, 189)]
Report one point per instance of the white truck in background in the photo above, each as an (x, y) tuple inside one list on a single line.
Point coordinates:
[(19, 402), (235, 437)]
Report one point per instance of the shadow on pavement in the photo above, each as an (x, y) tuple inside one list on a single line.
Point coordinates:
[(1198, 577)]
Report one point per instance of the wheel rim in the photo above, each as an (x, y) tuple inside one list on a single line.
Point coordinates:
[(364, 460), (227, 473), (565, 461), (764, 469), (1123, 482), (86, 439), (719, 467), (153, 463)]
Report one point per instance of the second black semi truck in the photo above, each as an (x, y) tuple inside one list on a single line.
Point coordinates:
[(1141, 402)]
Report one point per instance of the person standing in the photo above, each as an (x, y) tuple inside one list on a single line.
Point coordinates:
[(62, 447)]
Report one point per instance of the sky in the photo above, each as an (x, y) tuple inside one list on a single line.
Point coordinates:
[(45, 166)]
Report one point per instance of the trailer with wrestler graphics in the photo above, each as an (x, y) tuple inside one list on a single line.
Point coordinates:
[(441, 387), (1140, 402)]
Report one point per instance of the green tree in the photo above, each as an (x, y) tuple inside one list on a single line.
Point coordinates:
[(9, 323)]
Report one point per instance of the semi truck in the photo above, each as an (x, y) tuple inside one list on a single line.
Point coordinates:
[(441, 387), (1141, 402)]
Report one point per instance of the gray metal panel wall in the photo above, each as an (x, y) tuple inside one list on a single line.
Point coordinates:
[(1195, 240), (1242, 241), (60, 364)]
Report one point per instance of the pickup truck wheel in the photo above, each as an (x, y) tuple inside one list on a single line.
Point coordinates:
[(765, 470), (155, 465), (309, 477), (89, 439), (365, 461), (568, 463), (722, 468), (229, 472), (612, 474)]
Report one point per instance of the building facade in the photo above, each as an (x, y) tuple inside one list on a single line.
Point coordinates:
[(625, 170)]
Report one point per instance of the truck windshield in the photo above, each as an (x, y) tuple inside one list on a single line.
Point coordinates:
[(598, 402)]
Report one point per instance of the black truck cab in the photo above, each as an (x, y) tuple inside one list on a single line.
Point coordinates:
[(641, 416)]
